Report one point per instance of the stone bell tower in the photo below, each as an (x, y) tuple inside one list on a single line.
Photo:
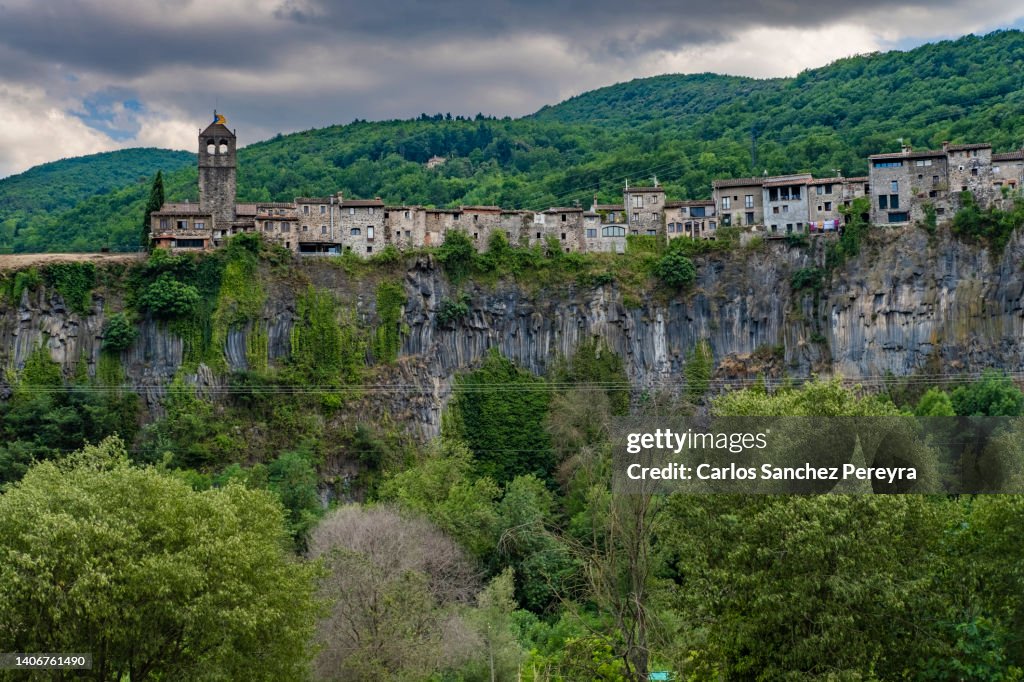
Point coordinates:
[(217, 167)]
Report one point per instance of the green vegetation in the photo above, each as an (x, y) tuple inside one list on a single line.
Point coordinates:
[(451, 311), (36, 206), (992, 226), (327, 348), (119, 332), (501, 411), (699, 368), (689, 129), (74, 282), (676, 270), (153, 204), (168, 297), (153, 578), (388, 339), (807, 279)]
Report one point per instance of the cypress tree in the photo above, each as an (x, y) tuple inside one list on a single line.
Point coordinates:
[(156, 200)]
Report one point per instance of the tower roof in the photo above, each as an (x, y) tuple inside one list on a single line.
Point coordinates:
[(218, 127)]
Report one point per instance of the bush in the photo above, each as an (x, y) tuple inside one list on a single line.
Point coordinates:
[(450, 312), (74, 282), (676, 270), (119, 332), (456, 255), (807, 278), (167, 297)]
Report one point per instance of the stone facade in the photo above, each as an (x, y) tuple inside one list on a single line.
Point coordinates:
[(901, 188), (739, 202), (693, 219)]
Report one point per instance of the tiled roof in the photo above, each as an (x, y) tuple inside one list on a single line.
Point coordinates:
[(564, 209), (181, 209), (645, 189), (488, 209), (610, 207), (739, 182), (313, 200), (967, 147), (1009, 156), (245, 209), (346, 203), (926, 154), (689, 202)]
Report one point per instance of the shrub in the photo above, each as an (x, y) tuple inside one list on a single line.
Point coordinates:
[(807, 278), (676, 270), (451, 311), (74, 282), (167, 297), (456, 255), (119, 332)]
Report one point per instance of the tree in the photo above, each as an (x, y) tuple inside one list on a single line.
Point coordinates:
[(397, 583), (935, 403), (993, 395), (153, 204), (119, 332), (168, 297), (675, 269), (157, 580), (456, 254)]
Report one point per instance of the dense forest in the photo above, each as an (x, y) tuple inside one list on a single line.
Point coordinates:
[(686, 129), (214, 539)]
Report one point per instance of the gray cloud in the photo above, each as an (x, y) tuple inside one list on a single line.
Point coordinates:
[(283, 65)]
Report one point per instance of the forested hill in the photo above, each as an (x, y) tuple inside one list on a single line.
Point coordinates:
[(685, 129), (59, 185)]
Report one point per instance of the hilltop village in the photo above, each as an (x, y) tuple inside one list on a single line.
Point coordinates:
[(908, 186)]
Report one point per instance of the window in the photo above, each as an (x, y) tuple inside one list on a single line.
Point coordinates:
[(613, 231), (923, 162), (773, 194), (800, 227), (725, 202), (182, 224), (189, 243), (285, 227), (974, 171), (591, 232), (456, 216), (935, 179), (785, 208), (371, 210), (636, 217), (476, 235), (351, 211), (821, 189), (407, 215), (748, 201), (775, 210), (369, 232), (563, 236), (789, 228), (200, 226), (323, 229), (932, 194), (750, 218), (386, 215), (887, 164), (408, 234), (165, 223), (883, 201), (828, 205), (901, 217), (305, 228), (355, 232), (538, 235), (894, 201), (305, 209), (369, 249), (652, 233), (323, 210), (697, 211), (268, 226), (563, 217), (638, 201)]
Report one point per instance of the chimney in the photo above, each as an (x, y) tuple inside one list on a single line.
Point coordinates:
[(945, 146), (906, 148)]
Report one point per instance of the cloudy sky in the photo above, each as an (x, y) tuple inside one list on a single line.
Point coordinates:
[(82, 76)]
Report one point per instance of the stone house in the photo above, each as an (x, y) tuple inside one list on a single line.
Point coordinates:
[(739, 202), (644, 207), (694, 219), (181, 226), (786, 204)]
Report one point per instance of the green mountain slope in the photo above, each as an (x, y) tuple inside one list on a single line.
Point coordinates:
[(59, 185), (687, 130)]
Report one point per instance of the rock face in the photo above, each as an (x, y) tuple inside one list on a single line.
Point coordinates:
[(908, 299)]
